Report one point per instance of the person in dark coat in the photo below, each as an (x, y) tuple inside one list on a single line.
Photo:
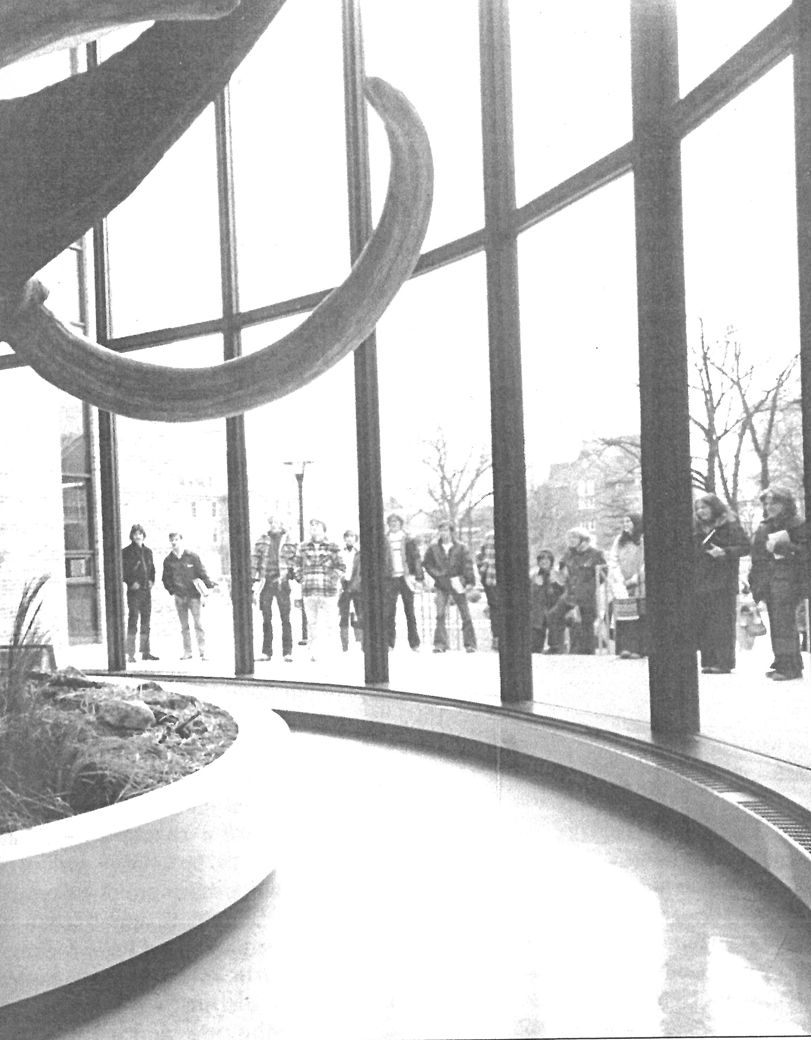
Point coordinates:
[(138, 571), (545, 592), (719, 543), (584, 568), (777, 577), (183, 577), (451, 566)]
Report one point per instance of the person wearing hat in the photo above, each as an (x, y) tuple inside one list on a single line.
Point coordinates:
[(778, 577)]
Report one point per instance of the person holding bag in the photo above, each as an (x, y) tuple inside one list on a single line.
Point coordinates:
[(777, 577)]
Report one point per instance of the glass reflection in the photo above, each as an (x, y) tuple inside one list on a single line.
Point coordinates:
[(302, 467), (173, 482), (571, 68), (743, 337), (581, 405)]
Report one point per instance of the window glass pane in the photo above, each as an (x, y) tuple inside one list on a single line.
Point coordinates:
[(413, 54), (571, 87), (289, 157), (173, 479), (305, 441), (710, 31), (743, 335), (581, 406), (164, 240), (435, 432), (36, 528), (60, 277)]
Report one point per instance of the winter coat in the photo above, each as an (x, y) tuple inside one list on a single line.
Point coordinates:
[(719, 575), (580, 567), (137, 566), (181, 572), (782, 572), (444, 563), (545, 591), (626, 568)]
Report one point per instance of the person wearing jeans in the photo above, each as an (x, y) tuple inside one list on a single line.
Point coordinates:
[(138, 571), (182, 571), (272, 555), (403, 571), (450, 564), (319, 566)]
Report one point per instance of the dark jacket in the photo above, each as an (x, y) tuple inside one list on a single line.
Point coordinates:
[(351, 582), (443, 564), (180, 573), (137, 566), (580, 567), (544, 595), (782, 572), (719, 575)]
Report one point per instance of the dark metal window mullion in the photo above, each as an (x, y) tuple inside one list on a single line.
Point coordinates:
[(236, 449), (506, 394), (110, 493), (367, 406), (801, 13), (665, 409)]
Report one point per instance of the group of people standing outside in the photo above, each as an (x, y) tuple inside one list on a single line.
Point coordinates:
[(185, 579), (330, 578), (564, 595), (565, 598)]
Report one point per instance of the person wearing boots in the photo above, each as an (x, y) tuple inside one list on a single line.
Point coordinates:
[(138, 570), (349, 596)]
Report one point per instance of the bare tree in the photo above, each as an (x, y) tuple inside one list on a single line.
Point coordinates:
[(458, 480), (736, 412), (720, 416)]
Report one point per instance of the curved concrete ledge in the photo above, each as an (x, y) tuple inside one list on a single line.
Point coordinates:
[(768, 828), (82, 894)]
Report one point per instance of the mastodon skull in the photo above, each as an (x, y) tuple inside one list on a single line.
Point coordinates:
[(108, 139)]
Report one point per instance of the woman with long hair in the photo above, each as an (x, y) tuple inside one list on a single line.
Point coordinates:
[(719, 542), (777, 577), (626, 577)]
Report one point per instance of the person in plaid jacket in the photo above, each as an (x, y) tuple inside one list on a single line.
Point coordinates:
[(318, 565)]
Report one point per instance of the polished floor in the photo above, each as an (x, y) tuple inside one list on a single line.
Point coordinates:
[(425, 896)]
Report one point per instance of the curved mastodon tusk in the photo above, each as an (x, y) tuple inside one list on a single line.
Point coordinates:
[(336, 327)]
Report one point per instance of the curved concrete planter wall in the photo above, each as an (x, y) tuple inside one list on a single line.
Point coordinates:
[(82, 894)]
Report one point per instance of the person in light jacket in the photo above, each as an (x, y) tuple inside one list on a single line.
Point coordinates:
[(626, 579)]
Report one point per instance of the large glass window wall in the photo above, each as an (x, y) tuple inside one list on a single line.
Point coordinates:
[(582, 379)]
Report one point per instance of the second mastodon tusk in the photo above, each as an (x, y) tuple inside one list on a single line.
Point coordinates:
[(336, 327)]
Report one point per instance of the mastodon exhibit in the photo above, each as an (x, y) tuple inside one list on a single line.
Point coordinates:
[(75, 150)]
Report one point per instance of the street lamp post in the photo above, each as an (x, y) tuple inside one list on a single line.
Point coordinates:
[(298, 469)]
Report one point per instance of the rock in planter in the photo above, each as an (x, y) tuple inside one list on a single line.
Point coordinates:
[(126, 714)]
